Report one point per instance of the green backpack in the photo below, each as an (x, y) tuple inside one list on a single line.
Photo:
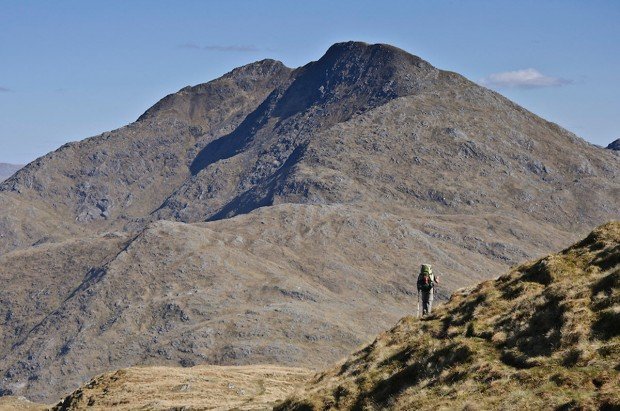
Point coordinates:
[(426, 278)]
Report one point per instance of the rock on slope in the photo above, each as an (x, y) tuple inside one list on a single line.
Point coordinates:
[(543, 336), (343, 176)]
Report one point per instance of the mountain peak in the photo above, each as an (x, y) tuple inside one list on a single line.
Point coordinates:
[(371, 74), (378, 52), (190, 104), (355, 76), (260, 68), (348, 47), (357, 46), (614, 145)]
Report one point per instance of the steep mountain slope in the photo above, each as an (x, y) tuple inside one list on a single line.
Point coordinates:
[(48, 275), (7, 170), (614, 145), (290, 284), (119, 177), (343, 176), (543, 336)]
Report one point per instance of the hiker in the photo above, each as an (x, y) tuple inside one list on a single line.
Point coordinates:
[(426, 284)]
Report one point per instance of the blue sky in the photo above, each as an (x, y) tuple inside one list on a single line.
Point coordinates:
[(73, 69)]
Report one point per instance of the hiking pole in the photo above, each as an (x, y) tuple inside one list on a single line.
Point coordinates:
[(418, 316)]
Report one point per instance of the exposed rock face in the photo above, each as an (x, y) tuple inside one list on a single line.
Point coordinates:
[(342, 177), (543, 336), (614, 145)]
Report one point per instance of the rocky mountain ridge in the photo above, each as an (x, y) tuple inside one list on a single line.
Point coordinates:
[(351, 127)]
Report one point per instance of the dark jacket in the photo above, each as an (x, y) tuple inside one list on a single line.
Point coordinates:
[(427, 282)]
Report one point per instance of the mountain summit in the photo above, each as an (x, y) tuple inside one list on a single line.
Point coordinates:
[(278, 215)]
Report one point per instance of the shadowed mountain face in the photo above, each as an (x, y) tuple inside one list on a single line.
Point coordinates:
[(258, 159), (306, 196), (614, 145)]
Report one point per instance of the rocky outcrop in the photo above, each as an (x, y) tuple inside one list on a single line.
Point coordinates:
[(614, 145)]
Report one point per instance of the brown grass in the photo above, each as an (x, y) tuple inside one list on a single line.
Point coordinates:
[(12, 403), (256, 387)]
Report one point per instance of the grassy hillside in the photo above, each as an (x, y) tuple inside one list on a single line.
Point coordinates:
[(254, 387), (544, 336)]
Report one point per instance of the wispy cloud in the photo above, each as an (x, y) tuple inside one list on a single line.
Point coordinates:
[(5, 90), (230, 48), (526, 78)]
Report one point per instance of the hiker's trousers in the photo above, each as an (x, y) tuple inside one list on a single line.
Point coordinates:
[(427, 301)]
